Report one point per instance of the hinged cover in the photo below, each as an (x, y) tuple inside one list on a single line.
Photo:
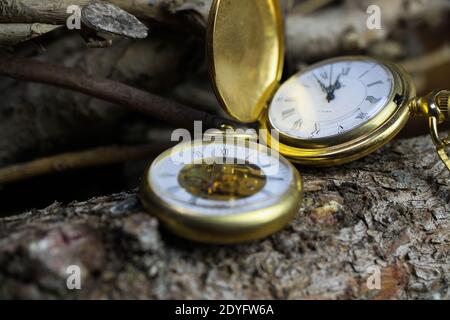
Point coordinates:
[(246, 52)]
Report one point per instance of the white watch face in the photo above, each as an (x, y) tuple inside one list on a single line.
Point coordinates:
[(245, 180), (331, 99)]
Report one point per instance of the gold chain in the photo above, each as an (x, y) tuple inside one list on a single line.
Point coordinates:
[(436, 107)]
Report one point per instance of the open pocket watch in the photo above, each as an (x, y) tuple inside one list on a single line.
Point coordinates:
[(334, 112)]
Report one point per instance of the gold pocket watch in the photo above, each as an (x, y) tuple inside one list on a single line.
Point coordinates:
[(334, 112), (222, 192)]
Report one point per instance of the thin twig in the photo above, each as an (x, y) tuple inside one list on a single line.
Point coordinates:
[(75, 160), (134, 99)]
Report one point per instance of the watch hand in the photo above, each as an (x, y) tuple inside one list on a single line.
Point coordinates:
[(324, 88), (332, 88), (331, 75), (330, 96)]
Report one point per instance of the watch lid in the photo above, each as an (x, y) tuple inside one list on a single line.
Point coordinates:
[(246, 54)]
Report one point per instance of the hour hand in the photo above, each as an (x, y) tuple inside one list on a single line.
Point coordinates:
[(330, 90)]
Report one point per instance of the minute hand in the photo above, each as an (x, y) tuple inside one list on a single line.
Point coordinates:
[(324, 88)]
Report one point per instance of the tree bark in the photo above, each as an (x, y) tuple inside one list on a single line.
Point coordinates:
[(390, 211)]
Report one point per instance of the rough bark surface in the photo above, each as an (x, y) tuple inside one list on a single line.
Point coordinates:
[(390, 210), (105, 17)]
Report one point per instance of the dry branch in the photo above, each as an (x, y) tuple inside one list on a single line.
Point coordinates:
[(75, 160), (115, 92), (44, 11), (14, 33)]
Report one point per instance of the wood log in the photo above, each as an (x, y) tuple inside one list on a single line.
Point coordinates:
[(389, 211)]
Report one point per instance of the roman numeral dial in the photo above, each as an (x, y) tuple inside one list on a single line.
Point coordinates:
[(331, 99)]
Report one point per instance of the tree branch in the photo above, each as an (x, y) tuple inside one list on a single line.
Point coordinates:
[(134, 99), (74, 160), (14, 33)]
